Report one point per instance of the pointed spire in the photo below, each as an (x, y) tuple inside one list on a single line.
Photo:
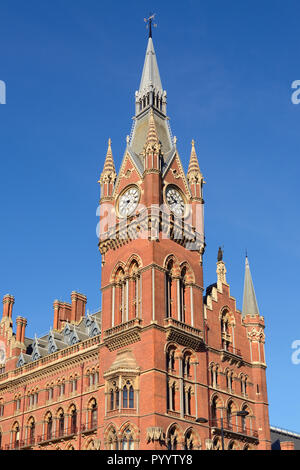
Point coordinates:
[(194, 175), (193, 165), (150, 77), (108, 175), (249, 299), (109, 166)]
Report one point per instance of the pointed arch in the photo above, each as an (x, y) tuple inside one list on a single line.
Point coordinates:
[(174, 436), (111, 441), (192, 440)]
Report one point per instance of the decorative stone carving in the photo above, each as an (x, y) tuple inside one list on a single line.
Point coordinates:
[(155, 434)]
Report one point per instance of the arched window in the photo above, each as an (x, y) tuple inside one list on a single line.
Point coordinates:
[(111, 399), (172, 439), (127, 441), (170, 359), (31, 431), (189, 441), (169, 282), (182, 291), (229, 415), (94, 414), (131, 397), (73, 420), (16, 436), (216, 444), (173, 397), (120, 297), (49, 426), (216, 404), (128, 395), (244, 419), (229, 381), (61, 423), (112, 440), (231, 445), (225, 330), (133, 290), (214, 375), (186, 365), (125, 397)]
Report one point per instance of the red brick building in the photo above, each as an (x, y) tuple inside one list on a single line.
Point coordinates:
[(166, 364)]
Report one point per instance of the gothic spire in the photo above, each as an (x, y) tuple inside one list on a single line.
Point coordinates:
[(150, 77), (109, 166), (193, 165), (194, 175), (249, 299), (108, 175)]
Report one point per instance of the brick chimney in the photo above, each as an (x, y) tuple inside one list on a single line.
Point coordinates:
[(19, 322), (21, 325), (62, 314), (78, 306), (8, 302), (287, 445)]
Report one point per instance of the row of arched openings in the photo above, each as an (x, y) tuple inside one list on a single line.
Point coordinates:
[(57, 425)]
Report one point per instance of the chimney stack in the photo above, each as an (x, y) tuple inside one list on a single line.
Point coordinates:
[(78, 306), (62, 314), (21, 325), (8, 302), (19, 322)]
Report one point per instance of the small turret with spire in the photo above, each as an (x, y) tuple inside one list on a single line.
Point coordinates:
[(221, 270), (108, 175), (254, 323), (194, 175)]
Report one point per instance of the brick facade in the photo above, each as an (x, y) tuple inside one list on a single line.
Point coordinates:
[(166, 364)]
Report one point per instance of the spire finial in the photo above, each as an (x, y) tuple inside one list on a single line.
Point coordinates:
[(149, 21), (220, 254)]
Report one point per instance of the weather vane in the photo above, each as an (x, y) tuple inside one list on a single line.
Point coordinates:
[(149, 22)]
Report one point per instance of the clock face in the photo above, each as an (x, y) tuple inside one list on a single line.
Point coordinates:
[(175, 201), (128, 201)]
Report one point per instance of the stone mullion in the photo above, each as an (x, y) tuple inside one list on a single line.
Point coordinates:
[(113, 305), (136, 297), (195, 382), (181, 389), (192, 305), (127, 300)]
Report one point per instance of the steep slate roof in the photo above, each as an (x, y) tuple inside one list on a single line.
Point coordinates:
[(89, 326)]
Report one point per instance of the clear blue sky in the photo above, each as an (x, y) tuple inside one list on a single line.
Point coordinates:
[(71, 68)]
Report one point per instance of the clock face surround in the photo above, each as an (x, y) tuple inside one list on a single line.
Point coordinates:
[(128, 201), (175, 200)]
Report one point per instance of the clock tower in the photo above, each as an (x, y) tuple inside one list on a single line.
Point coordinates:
[(151, 243), (154, 352)]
